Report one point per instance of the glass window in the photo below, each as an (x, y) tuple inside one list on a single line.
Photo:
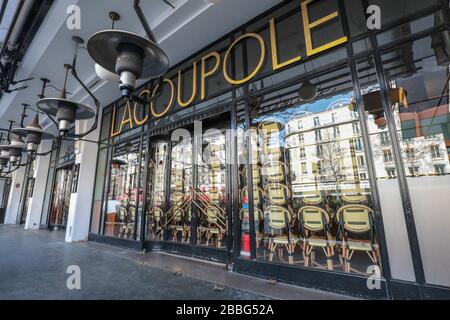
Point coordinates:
[(417, 74), (387, 155), (384, 137), (390, 9), (308, 207), (385, 173), (211, 198), (61, 198), (337, 132), (178, 216), (125, 193), (334, 117), (156, 188), (318, 135), (302, 153), (435, 151), (316, 122)]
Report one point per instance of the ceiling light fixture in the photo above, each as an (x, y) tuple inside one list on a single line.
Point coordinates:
[(33, 134), (4, 159), (307, 91), (14, 149), (128, 55), (66, 111)]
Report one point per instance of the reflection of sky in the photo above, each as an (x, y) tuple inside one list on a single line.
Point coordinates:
[(313, 107), (284, 116)]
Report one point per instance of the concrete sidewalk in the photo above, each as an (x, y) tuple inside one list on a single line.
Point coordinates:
[(33, 265)]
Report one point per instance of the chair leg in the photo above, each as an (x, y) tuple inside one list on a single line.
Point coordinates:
[(347, 261), (313, 257), (330, 254), (280, 253), (272, 247), (306, 254), (289, 248)]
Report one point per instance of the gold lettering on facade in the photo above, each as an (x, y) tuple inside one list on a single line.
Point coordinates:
[(257, 68), (273, 39), (308, 26), (206, 74), (169, 105), (128, 119), (113, 123), (180, 101), (136, 105)]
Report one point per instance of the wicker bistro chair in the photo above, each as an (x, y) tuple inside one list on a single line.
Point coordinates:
[(156, 215), (312, 198), (275, 171), (272, 149), (279, 219), (269, 127), (354, 196), (213, 215), (357, 220), (256, 174), (158, 199), (277, 194), (176, 225), (314, 225), (127, 217)]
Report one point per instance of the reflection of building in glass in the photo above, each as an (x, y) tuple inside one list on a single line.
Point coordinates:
[(423, 154), (326, 150)]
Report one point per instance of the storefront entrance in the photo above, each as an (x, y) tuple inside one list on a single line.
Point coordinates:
[(187, 192), (338, 159), (61, 199)]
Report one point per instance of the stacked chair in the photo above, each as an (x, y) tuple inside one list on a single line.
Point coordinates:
[(127, 215), (314, 223), (277, 194), (213, 212), (357, 234)]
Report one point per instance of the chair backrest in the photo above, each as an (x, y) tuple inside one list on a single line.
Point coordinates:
[(157, 214), (312, 197), (214, 195), (177, 214), (177, 196), (277, 194), (122, 213), (159, 199), (212, 214), (354, 196), (269, 126), (275, 171), (257, 194), (272, 149), (355, 218), (277, 217), (313, 218), (132, 213), (256, 174)]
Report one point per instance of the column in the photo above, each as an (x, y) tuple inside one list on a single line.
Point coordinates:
[(12, 210), (36, 202), (81, 201)]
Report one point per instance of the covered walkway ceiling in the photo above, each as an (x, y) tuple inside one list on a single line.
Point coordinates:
[(182, 31)]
